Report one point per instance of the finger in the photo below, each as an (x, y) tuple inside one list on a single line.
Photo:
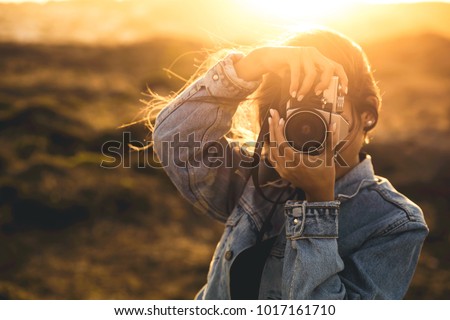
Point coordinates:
[(278, 160), (273, 153), (277, 126), (284, 148), (343, 79), (295, 66), (278, 129), (308, 80), (275, 116), (276, 144), (325, 78)]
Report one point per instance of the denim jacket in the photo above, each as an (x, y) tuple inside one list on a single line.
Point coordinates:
[(363, 245)]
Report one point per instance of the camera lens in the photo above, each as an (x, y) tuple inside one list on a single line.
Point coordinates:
[(306, 130)]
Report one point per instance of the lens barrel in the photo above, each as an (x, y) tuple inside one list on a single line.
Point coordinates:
[(306, 131)]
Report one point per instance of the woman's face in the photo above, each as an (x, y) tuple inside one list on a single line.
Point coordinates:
[(355, 138), (352, 139)]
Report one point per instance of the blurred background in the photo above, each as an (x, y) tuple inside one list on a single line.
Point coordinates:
[(72, 72)]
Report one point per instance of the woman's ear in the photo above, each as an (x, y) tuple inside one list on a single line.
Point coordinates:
[(368, 120), (369, 117)]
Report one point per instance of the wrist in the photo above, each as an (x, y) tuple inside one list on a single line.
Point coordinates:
[(250, 68), (322, 195)]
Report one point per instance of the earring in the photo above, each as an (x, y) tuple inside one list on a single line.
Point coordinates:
[(369, 123)]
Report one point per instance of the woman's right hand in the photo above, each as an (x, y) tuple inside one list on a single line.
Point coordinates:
[(304, 63)]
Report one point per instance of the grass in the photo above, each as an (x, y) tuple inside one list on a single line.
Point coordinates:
[(73, 230)]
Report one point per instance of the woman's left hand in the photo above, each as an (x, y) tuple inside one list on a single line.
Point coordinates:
[(315, 175)]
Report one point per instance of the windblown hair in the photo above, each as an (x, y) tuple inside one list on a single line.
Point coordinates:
[(363, 93)]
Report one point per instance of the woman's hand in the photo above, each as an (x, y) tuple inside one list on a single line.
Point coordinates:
[(315, 175), (305, 65)]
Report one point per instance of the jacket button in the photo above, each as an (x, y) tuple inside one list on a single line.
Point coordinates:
[(215, 77), (229, 255), (295, 221)]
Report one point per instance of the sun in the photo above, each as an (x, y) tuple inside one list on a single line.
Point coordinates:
[(310, 10)]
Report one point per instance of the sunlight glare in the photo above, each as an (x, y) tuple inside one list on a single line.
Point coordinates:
[(290, 9)]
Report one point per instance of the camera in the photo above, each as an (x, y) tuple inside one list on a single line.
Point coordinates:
[(308, 121)]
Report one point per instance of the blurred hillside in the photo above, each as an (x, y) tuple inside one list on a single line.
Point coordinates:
[(71, 229)]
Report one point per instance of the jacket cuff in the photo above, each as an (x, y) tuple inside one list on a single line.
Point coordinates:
[(222, 80), (311, 219)]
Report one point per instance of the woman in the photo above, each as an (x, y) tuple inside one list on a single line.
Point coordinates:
[(324, 228)]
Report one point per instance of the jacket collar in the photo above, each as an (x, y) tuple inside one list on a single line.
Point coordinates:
[(358, 177)]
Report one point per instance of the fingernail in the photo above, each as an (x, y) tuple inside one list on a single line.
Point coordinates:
[(271, 112), (346, 90), (318, 92), (270, 120), (300, 98), (281, 122), (293, 94)]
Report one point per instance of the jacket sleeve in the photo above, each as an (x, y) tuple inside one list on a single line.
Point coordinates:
[(381, 268), (189, 139)]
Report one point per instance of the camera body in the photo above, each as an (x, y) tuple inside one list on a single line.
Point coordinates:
[(308, 121)]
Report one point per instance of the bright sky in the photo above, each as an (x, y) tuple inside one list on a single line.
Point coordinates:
[(275, 1), (309, 11), (254, 19)]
